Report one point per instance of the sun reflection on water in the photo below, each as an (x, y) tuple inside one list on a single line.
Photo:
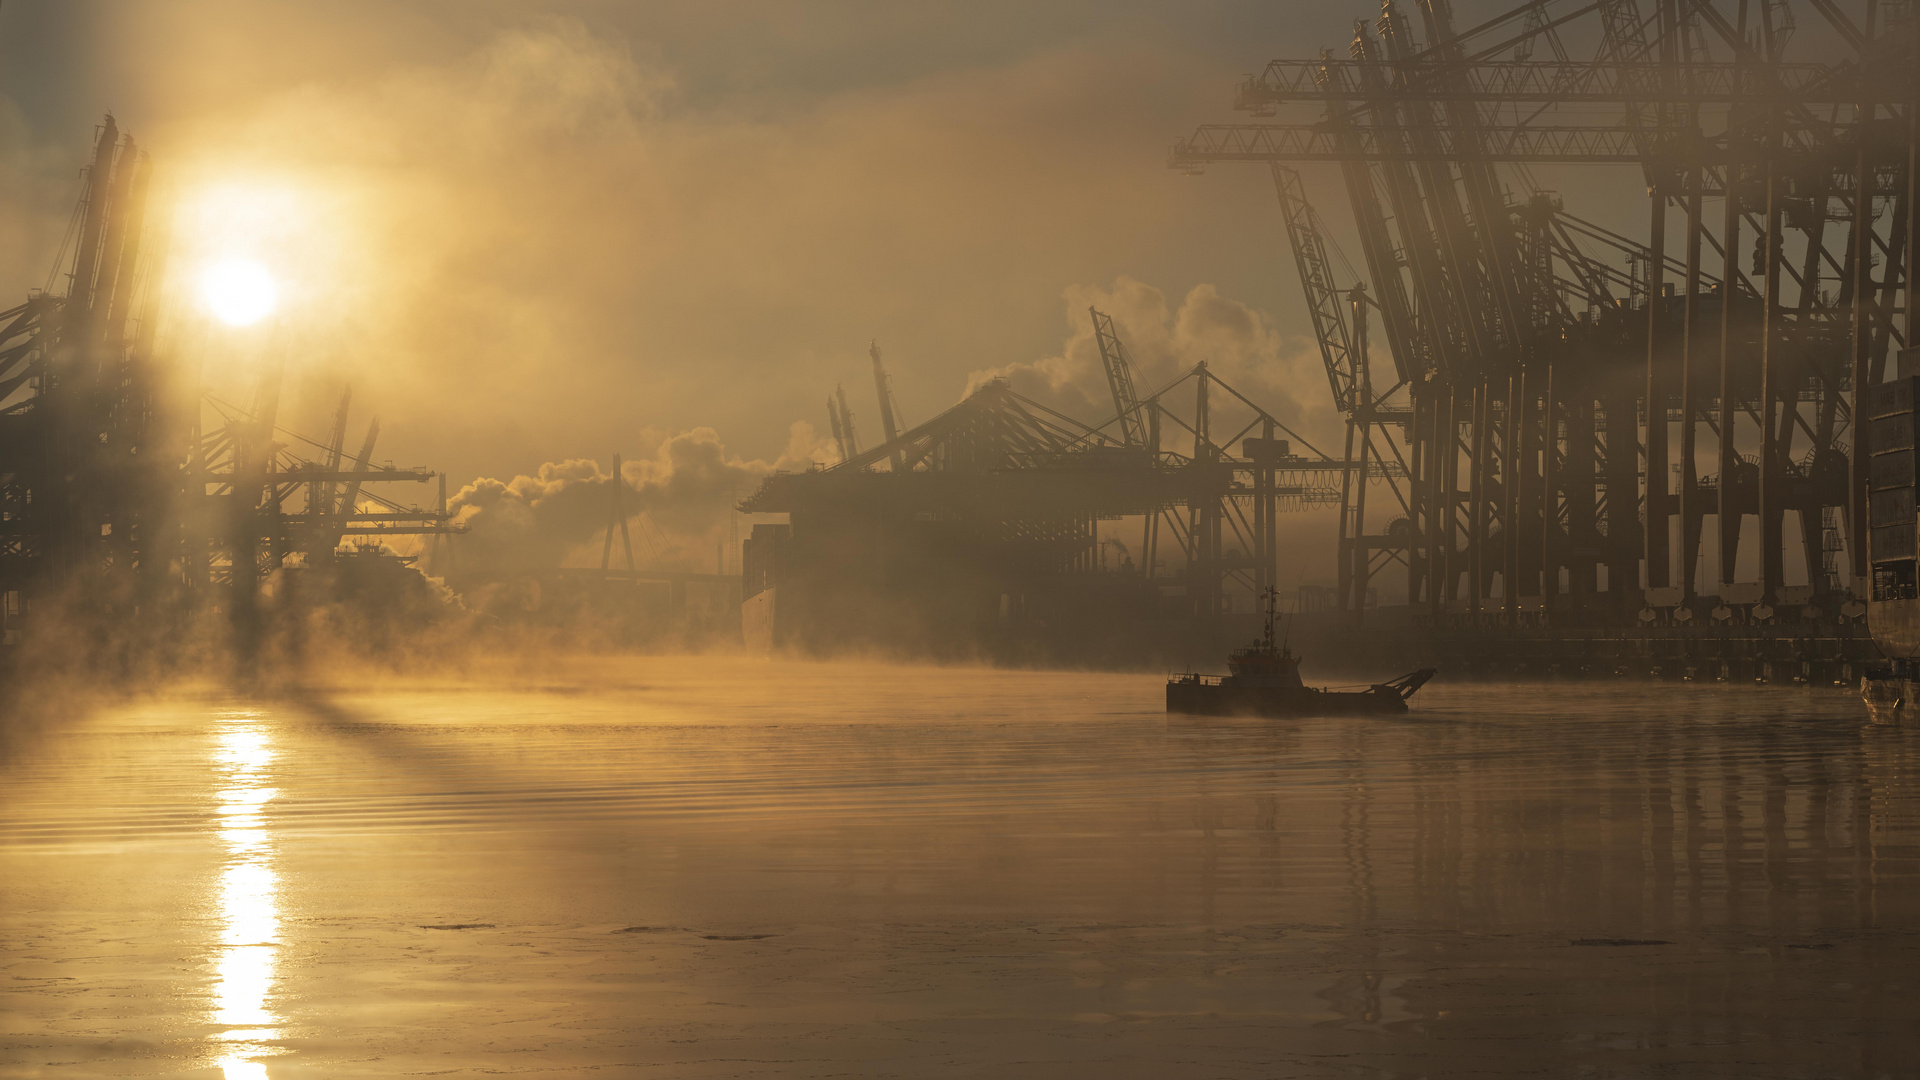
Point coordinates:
[(248, 900)]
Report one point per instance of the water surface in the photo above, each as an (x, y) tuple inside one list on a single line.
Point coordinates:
[(694, 868)]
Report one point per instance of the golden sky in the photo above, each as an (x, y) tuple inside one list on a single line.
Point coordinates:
[(528, 231), (532, 232)]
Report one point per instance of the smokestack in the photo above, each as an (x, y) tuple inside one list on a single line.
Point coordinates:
[(886, 405)]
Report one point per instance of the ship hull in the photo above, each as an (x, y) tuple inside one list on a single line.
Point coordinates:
[(1218, 699), (1891, 693)]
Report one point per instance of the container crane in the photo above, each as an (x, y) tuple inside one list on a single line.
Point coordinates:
[(1126, 406)]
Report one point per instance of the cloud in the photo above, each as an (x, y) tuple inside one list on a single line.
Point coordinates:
[(524, 237), (1281, 373), (679, 501)]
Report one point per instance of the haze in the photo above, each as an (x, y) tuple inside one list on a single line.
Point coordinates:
[(510, 742), (532, 233)]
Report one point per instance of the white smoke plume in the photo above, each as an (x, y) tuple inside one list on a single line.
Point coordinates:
[(678, 502)]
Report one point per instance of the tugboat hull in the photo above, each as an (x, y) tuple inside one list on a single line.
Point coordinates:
[(1213, 699), (1264, 680), (1237, 697)]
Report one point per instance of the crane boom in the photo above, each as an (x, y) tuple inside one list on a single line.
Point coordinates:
[(885, 390), (846, 423), (839, 436), (351, 497), (1316, 280), (1126, 405), (1609, 144), (1288, 81)]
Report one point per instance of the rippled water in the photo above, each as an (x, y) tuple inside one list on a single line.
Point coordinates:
[(691, 868)]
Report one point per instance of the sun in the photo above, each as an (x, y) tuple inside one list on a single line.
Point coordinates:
[(239, 292)]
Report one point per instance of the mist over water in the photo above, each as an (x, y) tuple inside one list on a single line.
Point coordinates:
[(707, 867)]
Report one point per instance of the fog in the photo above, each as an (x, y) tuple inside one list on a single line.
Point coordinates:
[(534, 234), (653, 865), (533, 237), (489, 213), (294, 798)]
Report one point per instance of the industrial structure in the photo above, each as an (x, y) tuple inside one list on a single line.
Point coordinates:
[(130, 497), (1575, 449), (1653, 441), (982, 529), (629, 605), (1571, 444)]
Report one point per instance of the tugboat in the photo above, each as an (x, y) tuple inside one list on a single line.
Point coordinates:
[(1265, 681)]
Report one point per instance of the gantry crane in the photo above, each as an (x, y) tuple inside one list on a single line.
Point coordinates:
[(1543, 404), (1126, 407)]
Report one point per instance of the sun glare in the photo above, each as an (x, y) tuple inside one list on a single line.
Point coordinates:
[(239, 292)]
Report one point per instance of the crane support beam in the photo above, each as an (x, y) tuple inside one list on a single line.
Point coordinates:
[(1287, 81), (1126, 404), (1545, 361), (1610, 144)]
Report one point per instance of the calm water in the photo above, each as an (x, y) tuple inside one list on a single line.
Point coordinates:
[(684, 868)]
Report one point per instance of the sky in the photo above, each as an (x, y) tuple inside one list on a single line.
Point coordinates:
[(533, 232)]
